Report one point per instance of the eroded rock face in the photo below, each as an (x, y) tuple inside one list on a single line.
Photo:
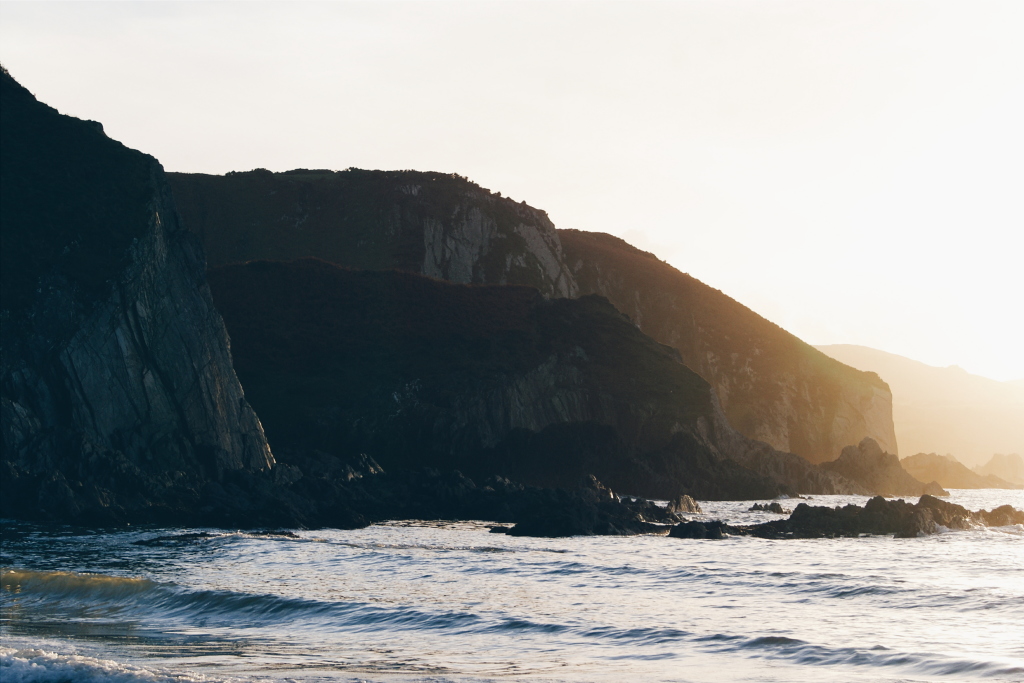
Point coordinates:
[(772, 386), (118, 389), (879, 472), (435, 224)]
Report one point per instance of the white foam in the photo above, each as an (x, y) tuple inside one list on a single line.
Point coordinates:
[(32, 665)]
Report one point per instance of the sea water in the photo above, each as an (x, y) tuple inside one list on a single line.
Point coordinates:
[(449, 601)]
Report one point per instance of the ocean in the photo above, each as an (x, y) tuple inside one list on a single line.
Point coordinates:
[(448, 601)]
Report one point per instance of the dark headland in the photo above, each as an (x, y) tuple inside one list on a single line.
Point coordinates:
[(410, 346)]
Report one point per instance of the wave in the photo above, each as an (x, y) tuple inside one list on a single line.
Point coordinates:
[(42, 666)]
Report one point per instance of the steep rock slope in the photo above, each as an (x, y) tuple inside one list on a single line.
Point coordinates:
[(950, 473), (773, 387), (490, 380), (439, 225), (944, 410), (116, 383)]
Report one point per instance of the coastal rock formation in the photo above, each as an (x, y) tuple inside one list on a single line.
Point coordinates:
[(772, 386), (878, 517), (684, 505), (435, 224), (950, 473), (488, 380), (116, 383), (879, 472), (1007, 467)]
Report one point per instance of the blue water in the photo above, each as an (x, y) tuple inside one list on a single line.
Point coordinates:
[(437, 601)]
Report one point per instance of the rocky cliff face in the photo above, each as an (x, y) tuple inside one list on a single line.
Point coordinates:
[(438, 225), (772, 386), (485, 379), (118, 391)]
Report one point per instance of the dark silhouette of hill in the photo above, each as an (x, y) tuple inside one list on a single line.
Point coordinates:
[(944, 410), (950, 473), (772, 386), (1007, 466), (490, 380)]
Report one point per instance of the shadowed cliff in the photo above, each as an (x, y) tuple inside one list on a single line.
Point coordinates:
[(490, 380), (116, 384), (773, 387)]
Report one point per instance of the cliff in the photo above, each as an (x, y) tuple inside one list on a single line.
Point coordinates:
[(435, 224), (950, 473), (117, 392), (490, 380), (879, 472), (773, 387)]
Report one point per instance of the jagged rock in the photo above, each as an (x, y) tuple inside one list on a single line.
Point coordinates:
[(769, 507), (880, 517), (879, 472), (117, 392), (684, 505)]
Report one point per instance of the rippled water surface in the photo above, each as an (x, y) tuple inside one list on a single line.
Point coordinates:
[(436, 601)]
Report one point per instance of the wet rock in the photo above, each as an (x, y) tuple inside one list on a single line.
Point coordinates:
[(684, 505), (769, 507)]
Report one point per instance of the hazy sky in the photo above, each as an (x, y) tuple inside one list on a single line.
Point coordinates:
[(853, 171)]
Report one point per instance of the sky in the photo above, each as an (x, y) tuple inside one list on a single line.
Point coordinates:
[(851, 170)]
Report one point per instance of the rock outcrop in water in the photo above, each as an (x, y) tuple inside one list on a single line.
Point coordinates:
[(878, 517), (950, 473), (486, 380), (117, 391), (879, 472), (773, 387)]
